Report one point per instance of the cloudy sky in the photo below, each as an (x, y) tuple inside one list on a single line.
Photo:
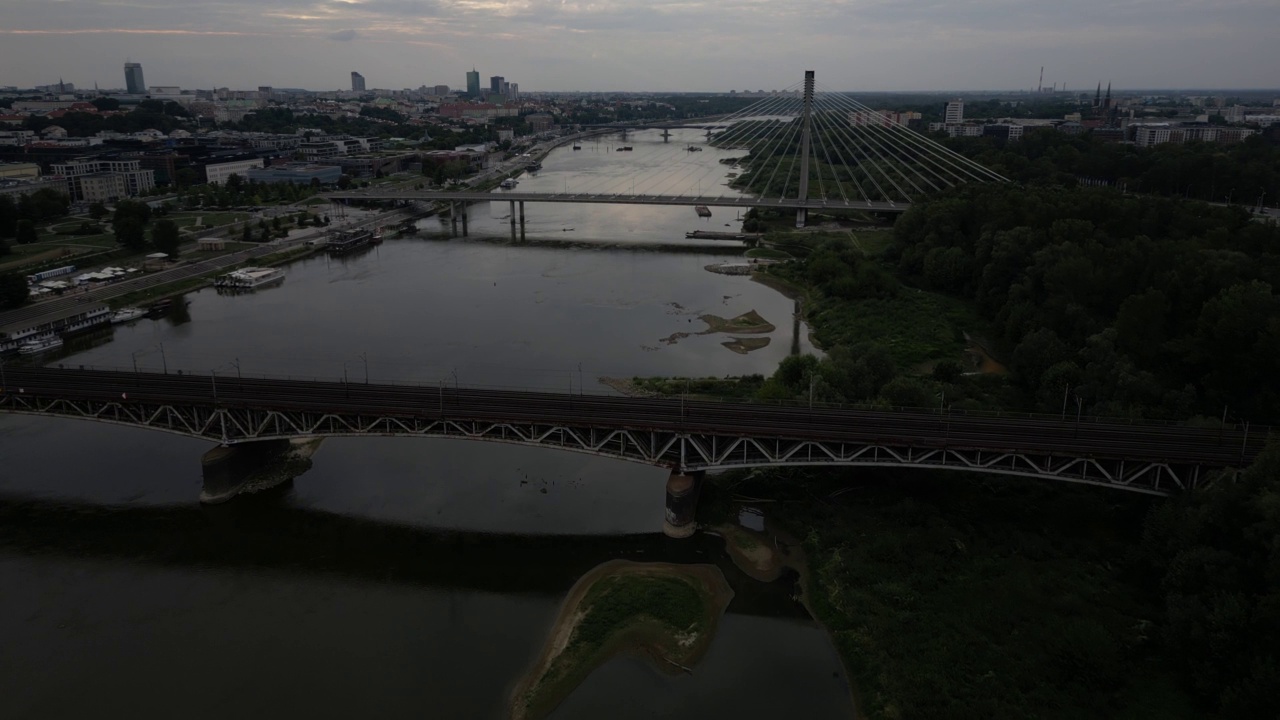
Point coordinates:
[(681, 45)]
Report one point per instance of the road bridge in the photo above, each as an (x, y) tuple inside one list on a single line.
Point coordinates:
[(685, 435), (800, 151)]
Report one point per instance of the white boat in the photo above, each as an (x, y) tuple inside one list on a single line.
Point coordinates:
[(40, 344), (129, 314), (508, 184), (249, 278)]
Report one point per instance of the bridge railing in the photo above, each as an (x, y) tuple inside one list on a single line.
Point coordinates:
[(1259, 431)]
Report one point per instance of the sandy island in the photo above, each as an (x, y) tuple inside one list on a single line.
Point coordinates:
[(568, 658)]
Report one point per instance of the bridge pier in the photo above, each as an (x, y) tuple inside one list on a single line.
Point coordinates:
[(464, 219), (512, 213), (453, 217), (682, 504), (802, 215), (229, 470), (666, 136)]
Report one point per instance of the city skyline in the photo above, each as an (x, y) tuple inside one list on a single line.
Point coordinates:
[(669, 45)]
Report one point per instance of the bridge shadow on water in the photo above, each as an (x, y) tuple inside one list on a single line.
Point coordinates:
[(263, 534)]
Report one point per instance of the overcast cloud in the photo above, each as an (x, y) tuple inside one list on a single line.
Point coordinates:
[(682, 45)]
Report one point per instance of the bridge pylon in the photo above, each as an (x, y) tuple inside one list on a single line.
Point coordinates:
[(806, 120)]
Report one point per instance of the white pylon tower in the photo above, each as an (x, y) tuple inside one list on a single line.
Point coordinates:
[(806, 121)]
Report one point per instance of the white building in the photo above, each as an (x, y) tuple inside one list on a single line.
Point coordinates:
[(97, 180), (954, 114), (216, 174), (1148, 135)]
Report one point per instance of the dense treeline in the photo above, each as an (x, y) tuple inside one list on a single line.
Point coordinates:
[(1241, 173), (1214, 558), (148, 115), (1143, 306), (237, 191), (19, 216)]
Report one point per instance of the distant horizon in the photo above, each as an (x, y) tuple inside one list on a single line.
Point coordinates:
[(682, 45), (80, 88)]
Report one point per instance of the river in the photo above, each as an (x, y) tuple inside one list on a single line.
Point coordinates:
[(398, 577)]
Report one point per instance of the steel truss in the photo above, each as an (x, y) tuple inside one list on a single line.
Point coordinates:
[(682, 451)]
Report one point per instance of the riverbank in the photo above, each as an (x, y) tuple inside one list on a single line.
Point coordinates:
[(664, 612)]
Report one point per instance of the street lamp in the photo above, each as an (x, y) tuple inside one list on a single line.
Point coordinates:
[(365, 358)]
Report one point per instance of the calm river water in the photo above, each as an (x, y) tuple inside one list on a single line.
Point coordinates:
[(399, 577)]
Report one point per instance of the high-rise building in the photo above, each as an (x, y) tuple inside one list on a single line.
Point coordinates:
[(357, 82), (513, 93), (954, 114), (495, 84), (134, 84), (440, 90), (473, 82)]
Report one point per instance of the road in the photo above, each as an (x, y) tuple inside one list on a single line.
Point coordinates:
[(919, 429)]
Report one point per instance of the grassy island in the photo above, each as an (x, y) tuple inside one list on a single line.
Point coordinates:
[(661, 611)]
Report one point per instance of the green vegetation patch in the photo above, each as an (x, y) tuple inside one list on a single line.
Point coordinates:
[(953, 596), (914, 325), (665, 612)]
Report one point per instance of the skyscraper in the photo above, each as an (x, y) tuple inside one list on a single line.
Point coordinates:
[(955, 112), (473, 82), (133, 81), (495, 84), (357, 82)]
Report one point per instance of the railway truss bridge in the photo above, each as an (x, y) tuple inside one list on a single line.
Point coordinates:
[(685, 435)]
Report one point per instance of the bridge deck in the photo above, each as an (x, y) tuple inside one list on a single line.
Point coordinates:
[(626, 199), (687, 434)]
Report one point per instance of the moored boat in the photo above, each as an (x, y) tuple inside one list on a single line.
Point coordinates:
[(129, 314), (40, 344), (344, 241), (249, 278)]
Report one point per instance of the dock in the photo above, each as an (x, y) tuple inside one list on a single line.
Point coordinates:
[(711, 235)]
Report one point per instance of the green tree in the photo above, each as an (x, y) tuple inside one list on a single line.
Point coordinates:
[(131, 233), (105, 104), (8, 216), (27, 233), (131, 209), (97, 210), (246, 233), (4, 247), (1213, 555), (13, 291), (166, 237)]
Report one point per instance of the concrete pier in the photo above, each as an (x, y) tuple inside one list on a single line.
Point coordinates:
[(512, 214), (682, 504), (230, 470)]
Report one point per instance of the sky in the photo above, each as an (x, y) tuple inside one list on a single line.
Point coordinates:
[(645, 45)]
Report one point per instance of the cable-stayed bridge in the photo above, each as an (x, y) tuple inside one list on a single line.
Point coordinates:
[(803, 149)]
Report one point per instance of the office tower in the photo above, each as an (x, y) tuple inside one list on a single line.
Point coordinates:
[(955, 112), (133, 81), (473, 82), (357, 82)]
